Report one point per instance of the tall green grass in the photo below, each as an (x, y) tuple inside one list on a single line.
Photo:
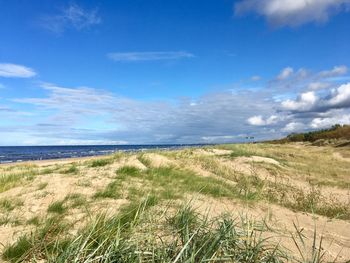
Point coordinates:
[(189, 238), (10, 180)]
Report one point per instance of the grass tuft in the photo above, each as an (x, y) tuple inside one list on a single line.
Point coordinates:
[(57, 207), (73, 169), (75, 200), (128, 171), (101, 162), (8, 205), (42, 186), (15, 252), (113, 190)]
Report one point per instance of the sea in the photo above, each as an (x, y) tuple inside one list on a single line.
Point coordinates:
[(10, 154)]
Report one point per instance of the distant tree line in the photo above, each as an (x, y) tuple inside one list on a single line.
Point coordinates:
[(337, 131)]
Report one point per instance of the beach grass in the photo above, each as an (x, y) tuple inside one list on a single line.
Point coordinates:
[(128, 212)]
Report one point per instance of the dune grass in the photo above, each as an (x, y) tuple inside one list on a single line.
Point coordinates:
[(174, 183), (39, 244), (42, 186), (190, 237), (183, 236), (72, 169), (10, 180), (100, 162), (156, 228), (16, 175), (144, 160), (8, 205), (73, 200), (105, 161), (57, 207)]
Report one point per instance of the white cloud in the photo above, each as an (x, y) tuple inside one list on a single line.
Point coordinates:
[(305, 101), (341, 96), (285, 73), (320, 123), (336, 71), (293, 127), (15, 71), (149, 56), (260, 121), (256, 120), (318, 85), (292, 12), (337, 98), (73, 16)]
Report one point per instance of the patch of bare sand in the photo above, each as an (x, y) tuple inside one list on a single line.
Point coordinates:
[(280, 220), (50, 162), (133, 161), (338, 156), (258, 159), (211, 152)]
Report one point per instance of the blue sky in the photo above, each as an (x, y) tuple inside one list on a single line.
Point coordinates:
[(116, 72)]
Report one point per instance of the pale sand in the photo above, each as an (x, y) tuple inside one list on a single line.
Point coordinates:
[(89, 180)]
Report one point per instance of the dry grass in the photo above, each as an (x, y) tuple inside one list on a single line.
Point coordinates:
[(104, 199)]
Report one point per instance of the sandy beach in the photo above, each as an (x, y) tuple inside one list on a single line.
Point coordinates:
[(273, 184)]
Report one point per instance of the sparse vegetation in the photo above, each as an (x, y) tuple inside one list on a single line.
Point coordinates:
[(72, 169), (35, 220), (132, 214), (9, 180), (128, 170), (75, 200), (113, 190), (101, 162), (8, 205), (42, 186), (57, 207), (144, 160), (191, 238), (84, 183)]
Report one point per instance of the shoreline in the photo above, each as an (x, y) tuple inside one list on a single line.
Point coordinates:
[(64, 160), (44, 162)]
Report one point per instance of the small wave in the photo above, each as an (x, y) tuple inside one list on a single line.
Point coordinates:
[(6, 161)]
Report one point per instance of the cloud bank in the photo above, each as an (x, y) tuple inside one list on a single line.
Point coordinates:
[(85, 115)]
